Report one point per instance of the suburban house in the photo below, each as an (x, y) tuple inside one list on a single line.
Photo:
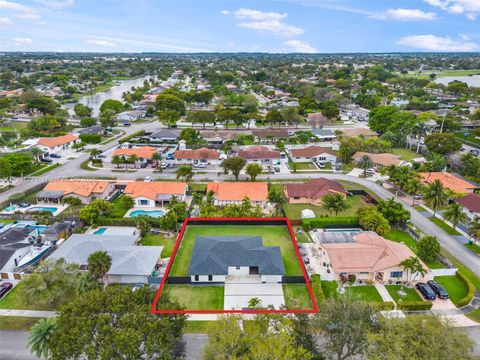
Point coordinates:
[(57, 231), (366, 255), (381, 160), (15, 243), (155, 193), (313, 191), (144, 153), (164, 135), (130, 115), (317, 154), (470, 204), (270, 133), (449, 181), (216, 257), (92, 130), (57, 143), (83, 189), (260, 154), (324, 134), (366, 133), (130, 263), (202, 155), (235, 192)]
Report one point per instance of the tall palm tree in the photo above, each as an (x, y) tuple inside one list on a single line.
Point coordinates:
[(335, 202), (133, 158), (117, 160), (435, 195), (455, 214), (99, 264), (40, 334), (156, 157), (36, 152), (94, 153), (419, 130), (365, 163), (413, 187), (474, 228), (413, 266)]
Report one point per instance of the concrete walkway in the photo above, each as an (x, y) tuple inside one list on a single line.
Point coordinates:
[(382, 290)]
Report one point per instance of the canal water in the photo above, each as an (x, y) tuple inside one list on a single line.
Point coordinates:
[(473, 80)]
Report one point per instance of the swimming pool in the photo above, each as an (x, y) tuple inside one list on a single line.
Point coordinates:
[(100, 231), (41, 208), (151, 213), (40, 228), (344, 230)]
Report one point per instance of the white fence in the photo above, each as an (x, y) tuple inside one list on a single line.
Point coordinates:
[(444, 272)]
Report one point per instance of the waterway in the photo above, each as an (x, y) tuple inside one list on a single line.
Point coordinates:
[(473, 80)]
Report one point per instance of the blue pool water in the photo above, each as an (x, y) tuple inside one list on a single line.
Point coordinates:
[(151, 213), (41, 208), (100, 231), (343, 230), (40, 228)]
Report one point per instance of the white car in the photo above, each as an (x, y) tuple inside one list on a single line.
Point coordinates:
[(163, 164), (200, 165), (148, 179)]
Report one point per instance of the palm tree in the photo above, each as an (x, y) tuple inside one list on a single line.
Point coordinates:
[(455, 214), (413, 266), (435, 195), (365, 163), (156, 157), (185, 172), (419, 130), (335, 202), (133, 158), (413, 187), (40, 334), (36, 152), (94, 153), (117, 160), (474, 228), (254, 302), (99, 264)]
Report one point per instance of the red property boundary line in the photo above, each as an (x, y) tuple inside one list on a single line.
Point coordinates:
[(154, 310)]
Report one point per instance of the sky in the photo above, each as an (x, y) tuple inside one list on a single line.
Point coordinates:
[(277, 26)]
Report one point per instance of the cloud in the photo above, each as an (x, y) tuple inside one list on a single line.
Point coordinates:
[(266, 22), (56, 4), (437, 43), (225, 12), (28, 16), (98, 42), (8, 5), (300, 46), (405, 15), (4, 22), (22, 41), (471, 8)]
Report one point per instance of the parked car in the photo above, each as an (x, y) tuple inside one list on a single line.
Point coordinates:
[(474, 152), (24, 205), (163, 165), (438, 289), (101, 157), (154, 165), (148, 179), (46, 160), (5, 288), (426, 291), (55, 156), (277, 168), (417, 196), (171, 165), (143, 165), (200, 165)]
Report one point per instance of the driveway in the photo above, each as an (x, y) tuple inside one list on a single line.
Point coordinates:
[(240, 289)]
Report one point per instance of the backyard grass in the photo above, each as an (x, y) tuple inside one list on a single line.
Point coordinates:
[(297, 296), (294, 211), (168, 243), (13, 301), (402, 237), (14, 126), (272, 235), (474, 247), (17, 322), (412, 295), (118, 211), (455, 287), (197, 297), (447, 228), (329, 289), (470, 137), (406, 154), (197, 187), (198, 327), (302, 236), (364, 292), (303, 166)]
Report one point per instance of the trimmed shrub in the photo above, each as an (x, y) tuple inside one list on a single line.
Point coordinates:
[(414, 305), (317, 289), (345, 221), (381, 306), (471, 290), (126, 138)]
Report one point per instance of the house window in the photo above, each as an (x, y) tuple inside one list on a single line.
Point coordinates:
[(296, 197), (196, 278), (396, 274), (210, 277), (322, 158), (237, 267), (143, 202)]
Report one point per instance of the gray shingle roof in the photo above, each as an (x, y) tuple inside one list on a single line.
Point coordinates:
[(212, 255)]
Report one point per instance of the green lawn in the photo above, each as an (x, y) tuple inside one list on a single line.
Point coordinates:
[(329, 289), (45, 170), (419, 208), (13, 301), (302, 236), (168, 243), (196, 186), (297, 296), (475, 315), (118, 210), (14, 323), (14, 126), (365, 292), (303, 166), (405, 154), (412, 295), (470, 137), (402, 237), (294, 211), (198, 327), (455, 287), (474, 247), (197, 297), (271, 236), (447, 228), (425, 74)]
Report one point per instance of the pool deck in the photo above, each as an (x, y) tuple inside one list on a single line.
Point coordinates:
[(145, 208), (113, 230), (59, 207)]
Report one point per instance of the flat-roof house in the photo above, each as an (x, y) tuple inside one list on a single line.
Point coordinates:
[(366, 255), (324, 134), (216, 257), (142, 152), (83, 189), (380, 160), (235, 192), (449, 181), (15, 243), (57, 231), (92, 130), (57, 143), (366, 133), (130, 263), (470, 204), (260, 154), (270, 133), (155, 193), (316, 154), (313, 191), (202, 155), (130, 115), (164, 135)]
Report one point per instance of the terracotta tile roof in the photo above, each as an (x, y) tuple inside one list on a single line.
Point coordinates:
[(314, 189), (449, 181), (57, 141), (259, 152), (368, 253), (470, 202), (236, 191), (150, 190), (83, 188), (275, 133), (197, 154), (384, 159), (317, 117), (358, 132), (312, 151), (144, 152)]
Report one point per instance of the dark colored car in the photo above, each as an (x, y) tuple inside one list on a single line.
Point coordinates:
[(143, 165), (46, 160), (426, 291), (55, 156), (475, 152), (438, 289), (5, 288)]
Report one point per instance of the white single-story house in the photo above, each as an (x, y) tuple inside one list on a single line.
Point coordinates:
[(316, 154), (155, 193)]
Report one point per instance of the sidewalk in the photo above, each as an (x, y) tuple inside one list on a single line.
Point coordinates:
[(27, 313)]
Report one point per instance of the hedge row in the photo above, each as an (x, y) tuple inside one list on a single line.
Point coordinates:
[(414, 305), (308, 224), (126, 138), (317, 289), (106, 221), (381, 306), (471, 290)]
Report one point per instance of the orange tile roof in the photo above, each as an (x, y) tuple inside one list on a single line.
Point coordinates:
[(198, 154), (314, 189), (312, 151), (384, 159), (449, 181), (369, 253), (144, 152), (57, 141), (150, 190), (236, 191), (78, 187)]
